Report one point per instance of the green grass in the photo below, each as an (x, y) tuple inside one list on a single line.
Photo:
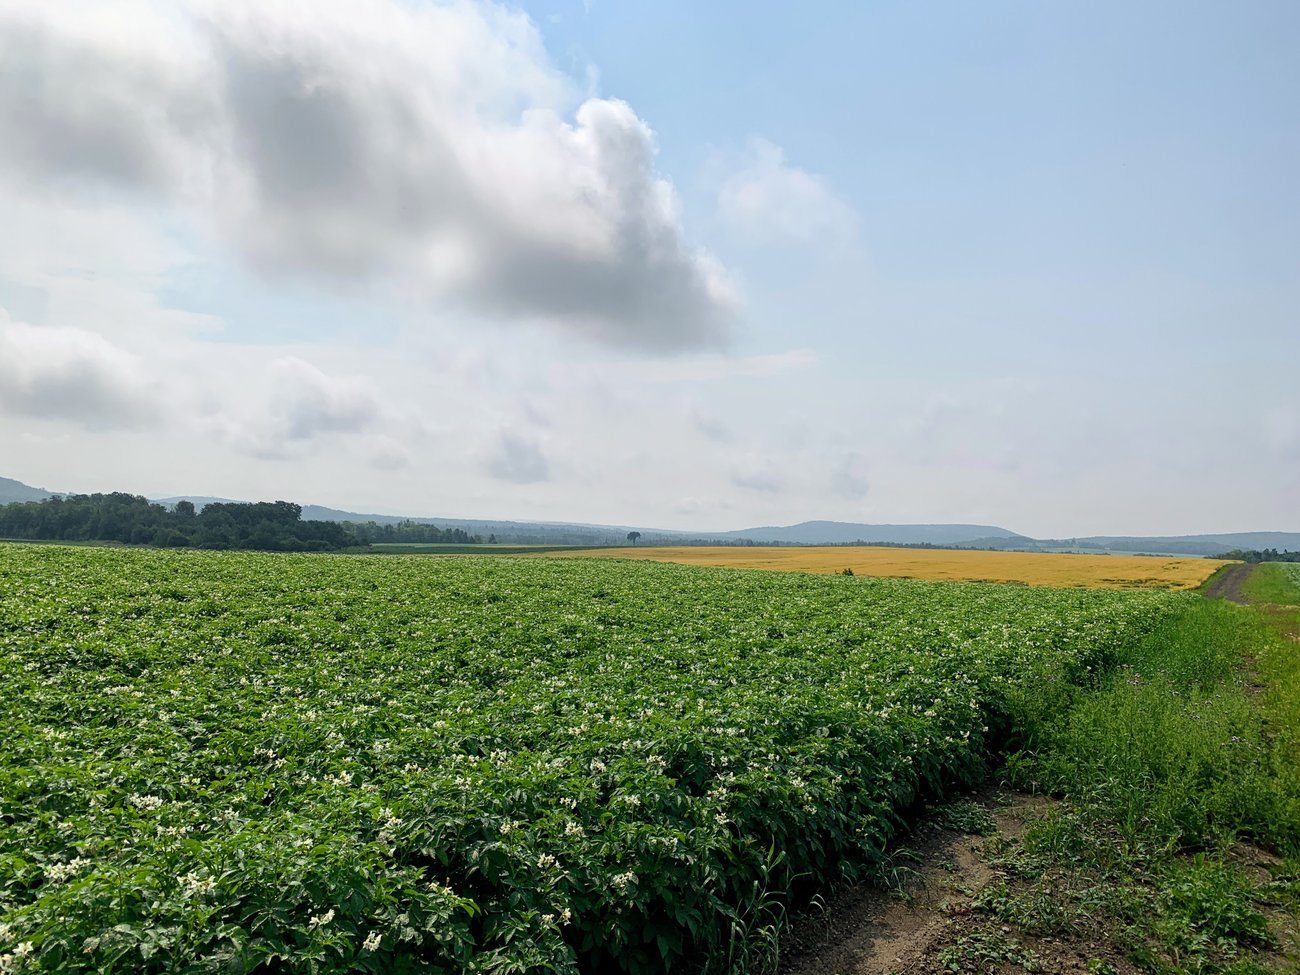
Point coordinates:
[(91, 543), (450, 548), (1178, 758), (1175, 749), (1278, 658), (1274, 582)]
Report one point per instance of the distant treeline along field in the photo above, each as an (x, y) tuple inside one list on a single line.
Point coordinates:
[(1260, 555), (273, 526)]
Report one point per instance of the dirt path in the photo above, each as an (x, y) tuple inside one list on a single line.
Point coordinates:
[(872, 932), (1227, 585)]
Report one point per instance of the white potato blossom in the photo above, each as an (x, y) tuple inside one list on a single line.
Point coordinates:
[(372, 941), (16, 960), (58, 872), (320, 920), (621, 881), (196, 886)]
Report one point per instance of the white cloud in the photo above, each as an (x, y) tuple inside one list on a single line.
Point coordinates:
[(711, 426), (849, 477), (70, 374), (389, 454), (303, 405), (765, 200), (1280, 428), (434, 148), (756, 474), (518, 460), (705, 368)]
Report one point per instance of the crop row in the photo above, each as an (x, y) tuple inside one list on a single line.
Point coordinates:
[(232, 762)]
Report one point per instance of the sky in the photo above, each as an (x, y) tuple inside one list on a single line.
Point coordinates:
[(669, 264)]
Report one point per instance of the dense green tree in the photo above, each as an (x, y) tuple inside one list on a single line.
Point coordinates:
[(132, 520), (1260, 555)]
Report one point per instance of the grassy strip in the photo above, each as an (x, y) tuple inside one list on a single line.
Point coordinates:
[(1278, 661), (1180, 825), (451, 548), (1274, 582)]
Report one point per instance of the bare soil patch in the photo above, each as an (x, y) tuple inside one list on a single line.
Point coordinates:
[(945, 915), (931, 923), (1227, 584)]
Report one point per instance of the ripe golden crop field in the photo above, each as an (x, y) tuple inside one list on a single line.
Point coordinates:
[(948, 565)]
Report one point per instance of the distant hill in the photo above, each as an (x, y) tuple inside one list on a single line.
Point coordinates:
[(515, 532), (841, 532), (804, 533), (11, 491), (1202, 545)]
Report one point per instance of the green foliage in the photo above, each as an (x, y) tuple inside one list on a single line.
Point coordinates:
[(1260, 555), (408, 533), (965, 816), (268, 526), (1177, 757), (1210, 899), (234, 762), (1172, 748), (1274, 582), (985, 951), (274, 526)]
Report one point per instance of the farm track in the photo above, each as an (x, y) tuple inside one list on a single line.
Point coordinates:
[(871, 931), (1228, 584), (932, 918)]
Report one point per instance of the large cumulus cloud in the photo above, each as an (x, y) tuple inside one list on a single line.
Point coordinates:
[(432, 148), (301, 406), (70, 374)]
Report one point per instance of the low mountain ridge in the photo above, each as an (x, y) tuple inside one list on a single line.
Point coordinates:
[(1199, 545), (11, 491), (841, 532), (803, 533)]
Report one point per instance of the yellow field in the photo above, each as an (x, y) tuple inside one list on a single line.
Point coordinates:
[(1031, 568)]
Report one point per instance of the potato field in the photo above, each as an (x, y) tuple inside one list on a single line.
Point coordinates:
[(217, 762)]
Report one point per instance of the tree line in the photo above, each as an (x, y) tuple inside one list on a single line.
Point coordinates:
[(369, 533), (1260, 555), (273, 526)]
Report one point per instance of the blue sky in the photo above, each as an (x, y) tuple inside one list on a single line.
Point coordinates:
[(1101, 172), (681, 265)]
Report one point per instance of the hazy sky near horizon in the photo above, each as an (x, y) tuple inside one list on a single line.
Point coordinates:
[(669, 264)]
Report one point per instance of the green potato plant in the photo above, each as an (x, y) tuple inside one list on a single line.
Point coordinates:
[(233, 762)]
